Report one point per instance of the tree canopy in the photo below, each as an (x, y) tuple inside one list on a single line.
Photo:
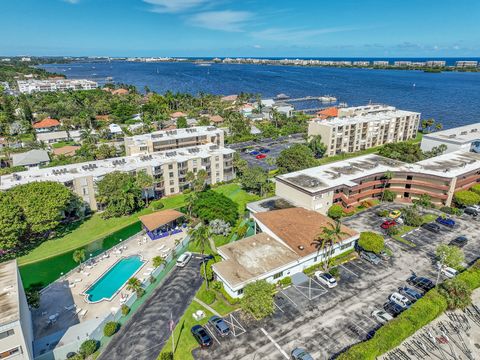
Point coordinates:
[(466, 198), (371, 241), (258, 299), (254, 179), (210, 205), (297, 157)]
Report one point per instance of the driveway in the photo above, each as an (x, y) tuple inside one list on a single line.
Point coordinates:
[(146, 332)]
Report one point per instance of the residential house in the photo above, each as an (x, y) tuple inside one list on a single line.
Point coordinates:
[(46, 125), (31, 159)]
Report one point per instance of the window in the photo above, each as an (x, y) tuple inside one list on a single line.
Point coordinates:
[(170, 174), (7, 333), (345, 246), (278, 275), (8, 353), (194, 162), (240, 292), (170, 166), (172, 190), (172, 182)]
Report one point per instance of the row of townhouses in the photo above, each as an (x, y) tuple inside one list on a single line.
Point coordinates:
[(32, 86)]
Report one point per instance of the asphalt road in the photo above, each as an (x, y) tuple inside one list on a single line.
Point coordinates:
[(146, 332)]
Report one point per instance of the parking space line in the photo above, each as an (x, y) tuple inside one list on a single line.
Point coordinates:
[(211, 333), (274, 343), (279, 308), (350, 271), (293, 302), (357, 266), (361, 328)]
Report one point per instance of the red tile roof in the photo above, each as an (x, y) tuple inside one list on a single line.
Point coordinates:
[(328, 112), (120, 92), (46, 123)]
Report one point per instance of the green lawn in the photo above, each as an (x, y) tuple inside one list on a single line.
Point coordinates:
[(405, 228), (234, 192), (62, 144)]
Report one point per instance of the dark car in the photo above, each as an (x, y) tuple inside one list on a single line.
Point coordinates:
[(431, 227), (411, 294), (219, 325), (264, 150), (420, 282), (459, 241), (201, 335), (470, 211), (445, 221), (392, 308), (254, 152)]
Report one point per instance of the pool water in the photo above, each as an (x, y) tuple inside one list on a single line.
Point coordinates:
[(110, 282)]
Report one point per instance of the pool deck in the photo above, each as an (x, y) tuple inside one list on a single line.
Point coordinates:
[(64, 300)]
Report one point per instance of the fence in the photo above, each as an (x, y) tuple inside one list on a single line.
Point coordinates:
[(60, 352)]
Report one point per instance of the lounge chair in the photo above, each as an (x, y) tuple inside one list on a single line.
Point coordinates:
[(83, 313), (77, 280), (77, 311), (71, 285), (161, 247)]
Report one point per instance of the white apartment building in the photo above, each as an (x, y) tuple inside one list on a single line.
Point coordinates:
[(466, 63), (466, 138), (168, 168), (436, 63), (173, 139), (380, 63), (363, 127), (31, 86), (16, 331)]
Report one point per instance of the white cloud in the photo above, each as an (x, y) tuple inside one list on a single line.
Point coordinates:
[(295, 34), (173, 6), (225, 20)]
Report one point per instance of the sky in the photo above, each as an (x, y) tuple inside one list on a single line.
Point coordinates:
[(253, 28)]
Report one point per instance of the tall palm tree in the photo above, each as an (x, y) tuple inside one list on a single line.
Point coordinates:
[(79, 256), (201, 237), (88, 136), (326, 239), (145, 182), (385, 179), (134, 284)]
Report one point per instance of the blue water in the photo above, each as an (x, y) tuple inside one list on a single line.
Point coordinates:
[(452, 98), (105, 287)]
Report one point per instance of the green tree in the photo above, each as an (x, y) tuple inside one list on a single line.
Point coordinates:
[(411, 217), (79, 256), (297, 157), (13, 225), (88, 347), (210, 205), (182, 123), (110, 328), (158, 261), (388, 195), (253, 179), (449, 255), (402, 151), (239, 164), (424, 200), (258, 299), (457, 293), (119, 193), (144, 182), (466, 198), (371, 241), (385, 180), (335, 211), (317, 146), (476, 189), (105, 151), (135, 285)]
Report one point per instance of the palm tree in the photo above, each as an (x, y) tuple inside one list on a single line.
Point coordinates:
[(158, 261), (145, 182), (88, 136), (328, 236), (79, 256), (201, 237), (438, 126), (134, 284), (271, 161), (385, 179)]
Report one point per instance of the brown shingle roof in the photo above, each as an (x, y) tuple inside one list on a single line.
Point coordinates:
[(298, 227), (67, 150), (159, 218), (216, 118)]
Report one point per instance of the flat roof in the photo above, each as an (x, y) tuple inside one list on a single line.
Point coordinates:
[(249, 258), (345, 172), (155, 220), (268, 204), (172, 134), (459, 135), (9, 296), (100, 168), (378, 116), (299, 227)]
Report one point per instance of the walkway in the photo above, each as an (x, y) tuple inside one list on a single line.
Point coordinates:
[(146, 332)]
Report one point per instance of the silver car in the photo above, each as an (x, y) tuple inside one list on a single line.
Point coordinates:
[(370, 257), (301, 354)]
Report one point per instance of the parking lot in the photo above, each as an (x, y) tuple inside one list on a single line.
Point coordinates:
[(274, 147), (326, 321)]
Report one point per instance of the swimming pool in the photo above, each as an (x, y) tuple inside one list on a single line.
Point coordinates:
[(106, 287)]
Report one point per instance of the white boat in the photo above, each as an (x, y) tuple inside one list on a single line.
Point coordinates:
[(327, 99), (204, 64)]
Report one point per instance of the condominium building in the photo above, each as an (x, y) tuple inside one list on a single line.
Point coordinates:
[(465, 138), (380, 63), (363, 127), (31, 86), (168, 168), (436, 63), (173, 139), (466, 63), (16, 330), (349, 182)]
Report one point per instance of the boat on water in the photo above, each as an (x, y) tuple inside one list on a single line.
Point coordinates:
[(282, 97), (327, 99), (204, 64)]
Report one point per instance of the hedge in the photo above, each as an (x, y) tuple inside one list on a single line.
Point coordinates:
[(466, 198), (286, 281), (476, 189), (371, 241), (88, 347), (425, 310), (110, 328)]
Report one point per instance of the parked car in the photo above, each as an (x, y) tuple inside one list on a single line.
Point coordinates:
[(459, 241), (388, 224), (411, 294), (264, 150), (449, 272), (201, 335), (445, 221), (261, 156), (431, 227), (326, 279), (301, 354), (254, 152), (420, 282), (381, 316), (183, 259), (471, 211), (220, 326), (384, 255), (370, 257), (394, 214), (393, 308), (401, 300)]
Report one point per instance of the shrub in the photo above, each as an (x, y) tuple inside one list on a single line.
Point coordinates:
[(187, 191), (335, 211), (157, 205), (218, 286), (389, 196), (207, 271), (258, 299), (393, 230), (371, 241), (125, 310), (207, 296), (457, 293), (451, 210), (335, 272), (383, 213), (466, 198), (211, 205), (411, 217), (140, 292), (166, 356), (286, 281), (157, 261), (476, 189), (110, 328), (88, 347)]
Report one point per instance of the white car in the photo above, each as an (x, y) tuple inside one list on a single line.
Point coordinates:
[(326, 279), (382, 316), (399, 299), (183, 259), (449, 272)]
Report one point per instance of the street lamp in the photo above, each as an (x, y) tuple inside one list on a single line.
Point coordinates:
[(443, 255)]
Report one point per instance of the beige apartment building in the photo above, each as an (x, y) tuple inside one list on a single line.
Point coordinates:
[(173, 139), (363, 127), (168, 168), (16, 331)]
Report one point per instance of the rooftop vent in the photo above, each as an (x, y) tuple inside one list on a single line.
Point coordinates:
[(463, 133), (452, 136), (301, 247), (474, 130)]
